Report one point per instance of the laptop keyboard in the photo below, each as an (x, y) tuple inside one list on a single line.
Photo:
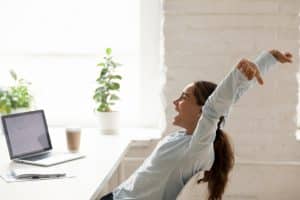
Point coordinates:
[(39, 157)]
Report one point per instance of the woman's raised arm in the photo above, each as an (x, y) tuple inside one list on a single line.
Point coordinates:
[(230, 90)]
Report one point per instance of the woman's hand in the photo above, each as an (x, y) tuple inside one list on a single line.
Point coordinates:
[(250, 70), (282, 57)]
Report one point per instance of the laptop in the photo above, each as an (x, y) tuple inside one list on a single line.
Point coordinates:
[(29, 142)]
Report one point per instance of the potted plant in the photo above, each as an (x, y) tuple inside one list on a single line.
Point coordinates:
[(16, 98), (106, 94)]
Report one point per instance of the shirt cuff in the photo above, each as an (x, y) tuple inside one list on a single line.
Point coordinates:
[(264, 61)]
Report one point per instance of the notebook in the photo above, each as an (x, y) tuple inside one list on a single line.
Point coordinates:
[(36, 173), (28, 140)]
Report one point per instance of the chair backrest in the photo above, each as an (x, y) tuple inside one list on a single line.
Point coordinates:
[(193, 190)]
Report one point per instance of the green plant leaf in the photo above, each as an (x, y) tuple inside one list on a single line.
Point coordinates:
[(113, 64), (103, 71), (114, 97), (100, 89), (108, 51), (114, 86), (103, 107), (116, 77), (17, 96), (97, 97), (13, 74), (101, 64), (107, 81), (100, 80)]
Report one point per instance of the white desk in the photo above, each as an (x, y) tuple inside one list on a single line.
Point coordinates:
[(103, 155)]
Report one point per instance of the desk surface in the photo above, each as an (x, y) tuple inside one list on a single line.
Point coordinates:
[(103, 155)]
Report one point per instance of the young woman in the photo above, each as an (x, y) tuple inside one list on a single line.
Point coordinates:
[(203, 146)]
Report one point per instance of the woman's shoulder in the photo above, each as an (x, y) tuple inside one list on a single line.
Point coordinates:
[(176, 137)]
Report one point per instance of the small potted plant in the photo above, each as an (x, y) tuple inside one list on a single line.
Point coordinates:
[(16, 98), (106, 94)]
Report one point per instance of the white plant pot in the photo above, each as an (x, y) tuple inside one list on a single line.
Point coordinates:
[(108, 122)]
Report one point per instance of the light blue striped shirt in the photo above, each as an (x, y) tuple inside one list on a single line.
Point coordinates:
[(179, 156)]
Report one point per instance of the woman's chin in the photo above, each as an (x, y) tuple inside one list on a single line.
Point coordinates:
[(176, 121)]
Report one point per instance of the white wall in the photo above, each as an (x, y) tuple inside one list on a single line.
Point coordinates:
[(254, 181), (204, 39), (151, 113)]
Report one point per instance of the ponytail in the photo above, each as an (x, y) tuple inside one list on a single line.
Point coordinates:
[(217, 176)]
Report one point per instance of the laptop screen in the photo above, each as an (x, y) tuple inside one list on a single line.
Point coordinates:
[(26, 133)]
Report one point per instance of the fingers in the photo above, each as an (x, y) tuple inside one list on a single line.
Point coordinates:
[(288, 57), (256, 73), (241, 65), (259, 78), (250, 70), (282, 57), (288, 54)]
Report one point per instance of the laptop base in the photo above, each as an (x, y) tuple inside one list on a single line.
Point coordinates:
[(51, 159)]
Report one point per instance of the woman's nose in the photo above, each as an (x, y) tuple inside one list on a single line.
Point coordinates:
[(175, 102)]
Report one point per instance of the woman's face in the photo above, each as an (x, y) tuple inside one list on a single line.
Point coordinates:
[(188, 110)]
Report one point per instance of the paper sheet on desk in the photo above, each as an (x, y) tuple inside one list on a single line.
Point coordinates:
[(9, 178)]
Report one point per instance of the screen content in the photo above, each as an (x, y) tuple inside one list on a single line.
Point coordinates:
[(27, 133)]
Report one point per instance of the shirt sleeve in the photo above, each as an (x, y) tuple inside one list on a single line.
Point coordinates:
[(264, 62), (228, 91)]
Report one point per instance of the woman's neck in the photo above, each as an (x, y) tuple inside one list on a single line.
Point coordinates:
[(190, 131)]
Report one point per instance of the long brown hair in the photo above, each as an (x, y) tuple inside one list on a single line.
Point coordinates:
[(217, 176)]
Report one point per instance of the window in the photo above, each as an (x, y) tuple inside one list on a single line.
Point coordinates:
[(56, 45)]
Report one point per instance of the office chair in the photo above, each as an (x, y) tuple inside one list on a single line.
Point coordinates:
[(192, 190)]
